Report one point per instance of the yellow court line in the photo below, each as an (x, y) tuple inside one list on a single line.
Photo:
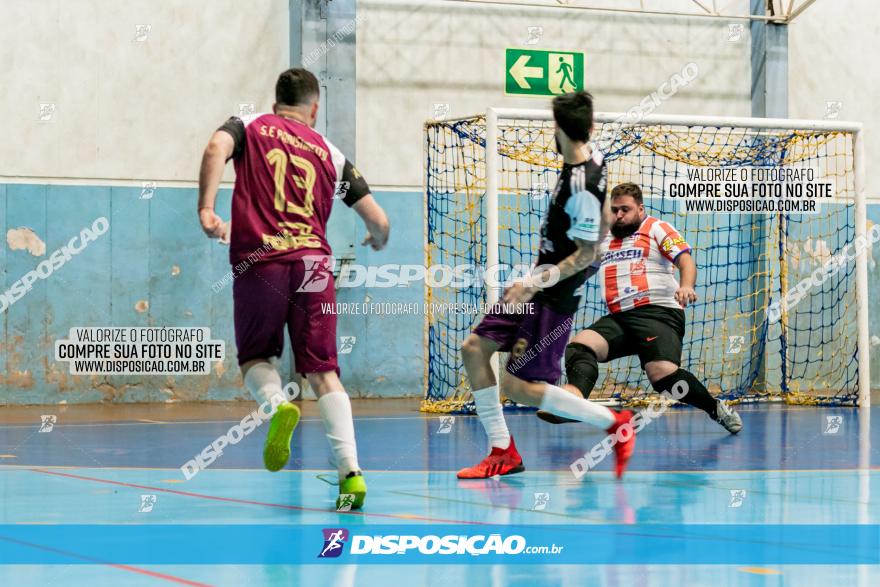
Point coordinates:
[(759, 571)]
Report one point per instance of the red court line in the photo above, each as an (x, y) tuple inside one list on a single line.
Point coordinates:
[(251, 502), (129, 568)]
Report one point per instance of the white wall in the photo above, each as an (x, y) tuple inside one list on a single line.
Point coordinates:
[(143, 110), (833, 57), (412, 55), (128, 109)]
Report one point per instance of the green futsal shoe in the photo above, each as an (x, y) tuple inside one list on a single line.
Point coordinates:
[(352, 492), (276, 451)]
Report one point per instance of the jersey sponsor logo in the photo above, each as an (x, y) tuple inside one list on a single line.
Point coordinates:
[(650, 338), (637, 268), (669, 243), (622, 255)]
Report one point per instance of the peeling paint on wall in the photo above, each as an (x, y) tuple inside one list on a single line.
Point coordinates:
[(24, 238)]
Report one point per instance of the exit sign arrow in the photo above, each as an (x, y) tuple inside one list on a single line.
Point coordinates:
[(520, 71)]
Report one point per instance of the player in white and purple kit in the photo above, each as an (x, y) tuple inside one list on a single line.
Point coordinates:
[(576, 223)]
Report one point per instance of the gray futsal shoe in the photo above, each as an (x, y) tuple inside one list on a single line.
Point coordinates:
[(728, 418)]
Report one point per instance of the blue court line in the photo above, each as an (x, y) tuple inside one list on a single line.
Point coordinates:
[(662, 544)]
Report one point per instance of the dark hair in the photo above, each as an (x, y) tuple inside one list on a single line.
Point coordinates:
[(628, 189), (574, 114), (296, 87)]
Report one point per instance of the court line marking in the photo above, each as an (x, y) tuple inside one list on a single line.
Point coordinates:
[(423, 416), (144, 422), (252, 502), (493, 506), (130, 568), (874, 468)]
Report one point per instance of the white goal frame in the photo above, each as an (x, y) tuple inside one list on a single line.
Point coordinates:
[(493, 165)]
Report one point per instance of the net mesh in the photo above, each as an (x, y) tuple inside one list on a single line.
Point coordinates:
[(744, 260)]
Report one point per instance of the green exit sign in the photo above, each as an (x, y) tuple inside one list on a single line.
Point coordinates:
[(543, 73)]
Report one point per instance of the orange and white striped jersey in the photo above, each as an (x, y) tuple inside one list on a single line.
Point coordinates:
[(638, 270)]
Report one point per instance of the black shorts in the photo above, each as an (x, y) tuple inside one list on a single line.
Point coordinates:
[(654, 333)]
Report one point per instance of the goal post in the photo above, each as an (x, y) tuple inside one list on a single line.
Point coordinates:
[(488, 182)]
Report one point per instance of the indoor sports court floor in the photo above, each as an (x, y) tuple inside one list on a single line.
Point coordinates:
[(787, 467)]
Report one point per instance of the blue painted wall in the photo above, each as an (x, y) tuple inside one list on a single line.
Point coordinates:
[(154, 267)]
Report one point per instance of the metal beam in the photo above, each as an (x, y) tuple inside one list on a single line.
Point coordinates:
[(769, 66), (800, 8), (641, 10), (323, 37)]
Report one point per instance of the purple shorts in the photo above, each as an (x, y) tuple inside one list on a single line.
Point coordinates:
[(536, 342), (266, 300)]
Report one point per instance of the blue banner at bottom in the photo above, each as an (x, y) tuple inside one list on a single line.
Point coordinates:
[(441, 544)]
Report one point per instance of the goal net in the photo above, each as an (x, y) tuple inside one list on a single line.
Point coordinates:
[(758, 329)]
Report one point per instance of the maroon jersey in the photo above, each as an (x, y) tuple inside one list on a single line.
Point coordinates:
[(286, 177)]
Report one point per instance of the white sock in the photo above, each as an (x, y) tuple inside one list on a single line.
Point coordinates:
[(492, 416), (336, 412), (562, 403), (264, 382)]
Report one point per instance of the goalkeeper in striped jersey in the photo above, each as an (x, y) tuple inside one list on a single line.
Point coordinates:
[(636, 272)]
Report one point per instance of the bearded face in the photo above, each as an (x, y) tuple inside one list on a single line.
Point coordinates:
[(623, 228), (628, 216)]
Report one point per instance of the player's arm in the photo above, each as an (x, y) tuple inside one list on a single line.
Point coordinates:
[(357, 196), (581, 260), (673, 247), (224, 143), (375, 220), (687, 277), (590, 222), (604, 227)]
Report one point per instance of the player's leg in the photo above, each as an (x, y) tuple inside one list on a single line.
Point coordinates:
[(313, 340), (556, 400), (659, 332), (260, 310), (583, 354), (535, 365), (335, 407), (603, 341), (664, 375), (476, 352), (496, 331)]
